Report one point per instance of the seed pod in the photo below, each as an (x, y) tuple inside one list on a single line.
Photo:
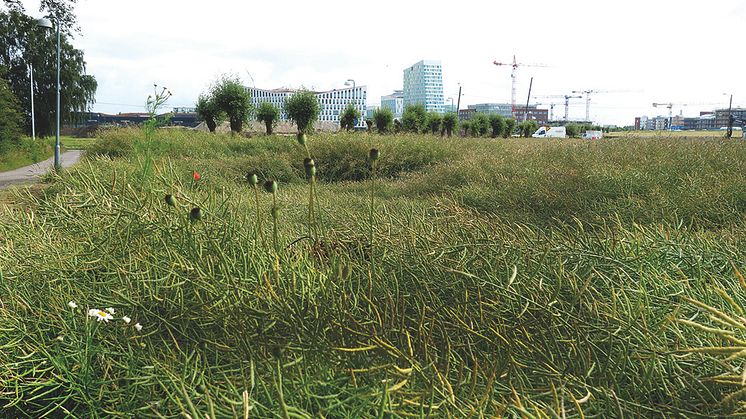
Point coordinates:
[(252, 178), (310, 167), (270, 186), (311, 171), (170, 200), (195, 214), (275, 212), (201, 389), (301, 137), (373, 154)]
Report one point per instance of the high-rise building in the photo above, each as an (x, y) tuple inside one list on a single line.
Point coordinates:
[(331, 103), (395, 102), (423, 84)]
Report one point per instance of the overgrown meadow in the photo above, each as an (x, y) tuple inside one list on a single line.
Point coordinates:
[(446, 278)]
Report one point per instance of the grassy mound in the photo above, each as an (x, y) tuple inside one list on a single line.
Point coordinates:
[(516, 278)]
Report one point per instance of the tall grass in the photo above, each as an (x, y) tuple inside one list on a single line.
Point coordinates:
[(511, 278)]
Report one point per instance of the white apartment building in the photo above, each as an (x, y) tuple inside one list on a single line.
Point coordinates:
[(423, 84), (331, 103)]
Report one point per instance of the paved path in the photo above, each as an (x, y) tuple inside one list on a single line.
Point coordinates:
[(30, 174)]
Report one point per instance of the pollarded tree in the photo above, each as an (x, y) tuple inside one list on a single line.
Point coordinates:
[(268, 114), (208, 111), (383, 118), (303, 109), (434, 121), (450, 123), (466, 126), (509, 127), (232, 98), (10, 117), (414, 119), (480, 124), (349, 116), (527, 128), (498, 125)]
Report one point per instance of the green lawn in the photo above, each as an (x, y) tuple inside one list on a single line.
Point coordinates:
[(485, 277), (74, 143)]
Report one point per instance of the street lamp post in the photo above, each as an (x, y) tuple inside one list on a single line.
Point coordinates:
[(31, 84), (45, 23), (354, 96)]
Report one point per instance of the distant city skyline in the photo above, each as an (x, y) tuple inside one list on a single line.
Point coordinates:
[(667, 51)]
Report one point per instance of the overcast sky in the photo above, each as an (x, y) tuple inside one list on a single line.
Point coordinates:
[(685, 52)]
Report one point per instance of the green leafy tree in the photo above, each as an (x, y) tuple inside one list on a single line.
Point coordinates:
[(480, 125), (348, 117), (414, 119), (58, 10), (573, 130), (527, 128), (497, 122), (208, 111), (466, 127), (450, 123), (10, 117), (303, 109), (434, 122), (383, 118), (268, 114), (509, 127), (232, 98), (22, 43)]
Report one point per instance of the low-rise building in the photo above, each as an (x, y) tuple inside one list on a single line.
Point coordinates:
[(503, 109)]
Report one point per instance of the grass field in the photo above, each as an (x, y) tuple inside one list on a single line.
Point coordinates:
[(25, 152), (518, 278)]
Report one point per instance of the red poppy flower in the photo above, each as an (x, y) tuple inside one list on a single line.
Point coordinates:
[(196, 176)]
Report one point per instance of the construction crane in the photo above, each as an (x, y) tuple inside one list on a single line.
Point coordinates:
[(567, 101), (670, 110), (551, 108), (515, 66), (588, 93)]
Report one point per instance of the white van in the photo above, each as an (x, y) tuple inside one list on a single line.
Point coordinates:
[(593, 135), (550, 132)]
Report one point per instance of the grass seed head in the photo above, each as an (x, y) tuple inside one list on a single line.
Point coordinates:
[(270, 186)]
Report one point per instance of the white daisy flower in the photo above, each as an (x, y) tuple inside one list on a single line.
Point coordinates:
[(100, 315), (138, 326), (72, 304), (110, 310), (126, 319)]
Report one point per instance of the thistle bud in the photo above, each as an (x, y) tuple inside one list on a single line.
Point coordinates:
[(170, 200), (252, 178), (195, 214), (270, 186), (373, 154), (301, 137), (275, 212), (310, 166)]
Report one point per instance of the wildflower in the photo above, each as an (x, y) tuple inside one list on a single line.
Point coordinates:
[(138, 326), (373, 154), (72, 304), (270, 186), (110, 310), (59, 338), (170, 200), (100, 315), (126, 319), (195, 214), (196, 175)]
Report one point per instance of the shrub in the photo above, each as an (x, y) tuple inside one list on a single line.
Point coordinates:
[(466, 127), (348, 117), (450, 123), (480, 125), (434, 121), (303, 109), (268, 114), (414, 119), (232, 98), (509, 127), (383, 118), (498, 125)]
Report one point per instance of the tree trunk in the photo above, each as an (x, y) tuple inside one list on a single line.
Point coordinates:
[(268, 123), (210, 124)]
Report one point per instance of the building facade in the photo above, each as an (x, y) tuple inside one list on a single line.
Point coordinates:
[(331, 103), (395, 102), (423, 84), (502, 109), (721, 117), (533, 113)]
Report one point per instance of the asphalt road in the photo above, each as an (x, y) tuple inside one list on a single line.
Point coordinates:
[(30, 174)]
